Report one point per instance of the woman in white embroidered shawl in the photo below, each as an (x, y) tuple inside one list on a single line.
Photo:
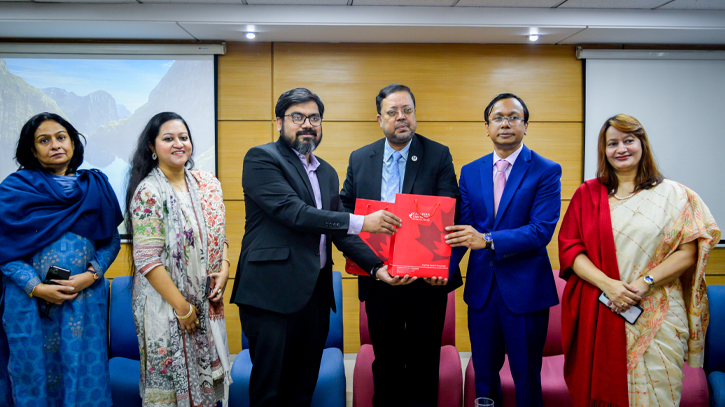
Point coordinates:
[(178, 221)]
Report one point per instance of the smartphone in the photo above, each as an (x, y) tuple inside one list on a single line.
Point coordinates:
[(56, 273), (208, 289), (631, 315)]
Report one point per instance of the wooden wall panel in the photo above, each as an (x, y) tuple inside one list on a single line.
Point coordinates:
[(560, 142), (245, 82), (235, 232), (235, 139), (452, 82)]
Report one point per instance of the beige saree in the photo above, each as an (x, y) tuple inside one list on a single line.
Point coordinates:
[(648, 228)]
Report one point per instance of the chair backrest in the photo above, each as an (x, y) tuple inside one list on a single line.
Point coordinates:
[(123, 341), (335, 335), (553, 335), (714, 348), (449, 326)]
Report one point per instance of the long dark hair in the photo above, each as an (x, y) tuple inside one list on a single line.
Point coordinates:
[(142, 162), (648, 175), (26, 143)]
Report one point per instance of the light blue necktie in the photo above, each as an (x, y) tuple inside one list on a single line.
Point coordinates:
[(393, 185)]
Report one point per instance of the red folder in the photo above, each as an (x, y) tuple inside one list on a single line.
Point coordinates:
[(418, 248), (379, 242)]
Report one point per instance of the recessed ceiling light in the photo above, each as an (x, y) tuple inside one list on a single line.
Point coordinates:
[(533, 37), (250, 35)]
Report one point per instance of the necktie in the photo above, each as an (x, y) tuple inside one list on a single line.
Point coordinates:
[(393, 185), (499, 183)]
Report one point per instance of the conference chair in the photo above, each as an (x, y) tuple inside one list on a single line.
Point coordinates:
[(450, 379), (714, 348), (330, 389), (553, 386), (124, 365)]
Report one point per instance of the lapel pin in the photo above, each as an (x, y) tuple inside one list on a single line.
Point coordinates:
[(414, 158)]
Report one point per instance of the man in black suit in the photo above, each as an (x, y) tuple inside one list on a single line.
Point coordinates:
[(405, 315), (283, 284)]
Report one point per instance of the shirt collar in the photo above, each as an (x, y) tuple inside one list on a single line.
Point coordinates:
[(388, 151), (314, 163), (511, 159)]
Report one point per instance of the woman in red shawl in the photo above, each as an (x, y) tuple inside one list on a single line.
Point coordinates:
[(642, 240)]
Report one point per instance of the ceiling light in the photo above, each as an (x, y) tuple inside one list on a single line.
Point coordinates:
[(250, 35), (533, 37)]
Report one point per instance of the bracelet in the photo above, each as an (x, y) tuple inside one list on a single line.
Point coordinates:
[(33, 290), (191, 308), (227, 260)]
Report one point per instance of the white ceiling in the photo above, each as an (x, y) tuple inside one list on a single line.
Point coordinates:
[(665, 22)]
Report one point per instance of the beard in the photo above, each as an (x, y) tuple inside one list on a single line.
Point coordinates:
[(299, 144), (394, 138)]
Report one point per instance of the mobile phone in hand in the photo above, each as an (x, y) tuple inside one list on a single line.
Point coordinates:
[(631, 315), (56, 273), (208, 288)]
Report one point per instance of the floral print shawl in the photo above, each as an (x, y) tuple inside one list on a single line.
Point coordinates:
[(186, 236)]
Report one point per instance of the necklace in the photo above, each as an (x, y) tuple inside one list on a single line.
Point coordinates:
[(626, 197), (181, 189)]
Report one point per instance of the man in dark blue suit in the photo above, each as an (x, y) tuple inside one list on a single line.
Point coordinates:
[(405, 315), (510, 203)]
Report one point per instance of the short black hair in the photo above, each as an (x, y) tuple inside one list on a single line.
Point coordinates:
[(506, 96), (295, 97), (26, 143), (388, 90)]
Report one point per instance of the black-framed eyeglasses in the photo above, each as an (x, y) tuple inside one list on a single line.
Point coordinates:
[(299, 118), (511, 119), (407, 111)]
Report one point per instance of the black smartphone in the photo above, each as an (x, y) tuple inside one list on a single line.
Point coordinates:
[(208, 289), (631, 315), (56, 273)]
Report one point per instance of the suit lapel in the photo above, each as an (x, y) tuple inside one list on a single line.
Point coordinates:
[(376, 169), (412, 165), (521, 166), (323, 178), (487, 182), (292, 158)]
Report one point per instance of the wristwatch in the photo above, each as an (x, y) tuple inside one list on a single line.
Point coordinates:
[(374, 272), (95, 275), (649, 280), (489, 241)]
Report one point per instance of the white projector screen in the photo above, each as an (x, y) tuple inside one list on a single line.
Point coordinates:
[(679, 103), (109, 99)]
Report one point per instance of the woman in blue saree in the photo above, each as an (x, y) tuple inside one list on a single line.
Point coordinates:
[(52, 214)]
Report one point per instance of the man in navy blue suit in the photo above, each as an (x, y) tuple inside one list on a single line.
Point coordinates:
[(510, 203)]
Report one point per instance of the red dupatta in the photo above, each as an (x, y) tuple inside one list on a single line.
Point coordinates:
[(593, 337)]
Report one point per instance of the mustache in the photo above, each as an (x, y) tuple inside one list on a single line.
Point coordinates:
[(402, 123), (311, 132)]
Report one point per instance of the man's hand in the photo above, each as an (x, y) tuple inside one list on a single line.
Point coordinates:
[(436, 281), (381, 221), (465, 235), (383, 275)]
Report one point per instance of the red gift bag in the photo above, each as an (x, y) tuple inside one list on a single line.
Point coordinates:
[(379, 242), (418, 248)]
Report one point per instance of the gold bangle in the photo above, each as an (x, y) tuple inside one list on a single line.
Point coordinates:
[(227, 260), (33, 290), (191, 308)]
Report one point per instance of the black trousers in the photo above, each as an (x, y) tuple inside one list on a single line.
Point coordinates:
[(406, 325), (286, 350)]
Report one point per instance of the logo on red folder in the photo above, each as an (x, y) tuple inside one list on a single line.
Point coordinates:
[(420, 216)]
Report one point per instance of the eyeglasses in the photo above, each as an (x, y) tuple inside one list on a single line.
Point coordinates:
[(514, 120), (299, 118), (407, 111)]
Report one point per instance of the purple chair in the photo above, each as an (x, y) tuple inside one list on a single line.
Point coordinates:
[(450, 381), (555, 392)]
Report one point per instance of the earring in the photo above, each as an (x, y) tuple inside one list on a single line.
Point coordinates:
[(154, 156)]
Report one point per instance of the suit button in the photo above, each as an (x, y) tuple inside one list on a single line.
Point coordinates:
[(490, 264)]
